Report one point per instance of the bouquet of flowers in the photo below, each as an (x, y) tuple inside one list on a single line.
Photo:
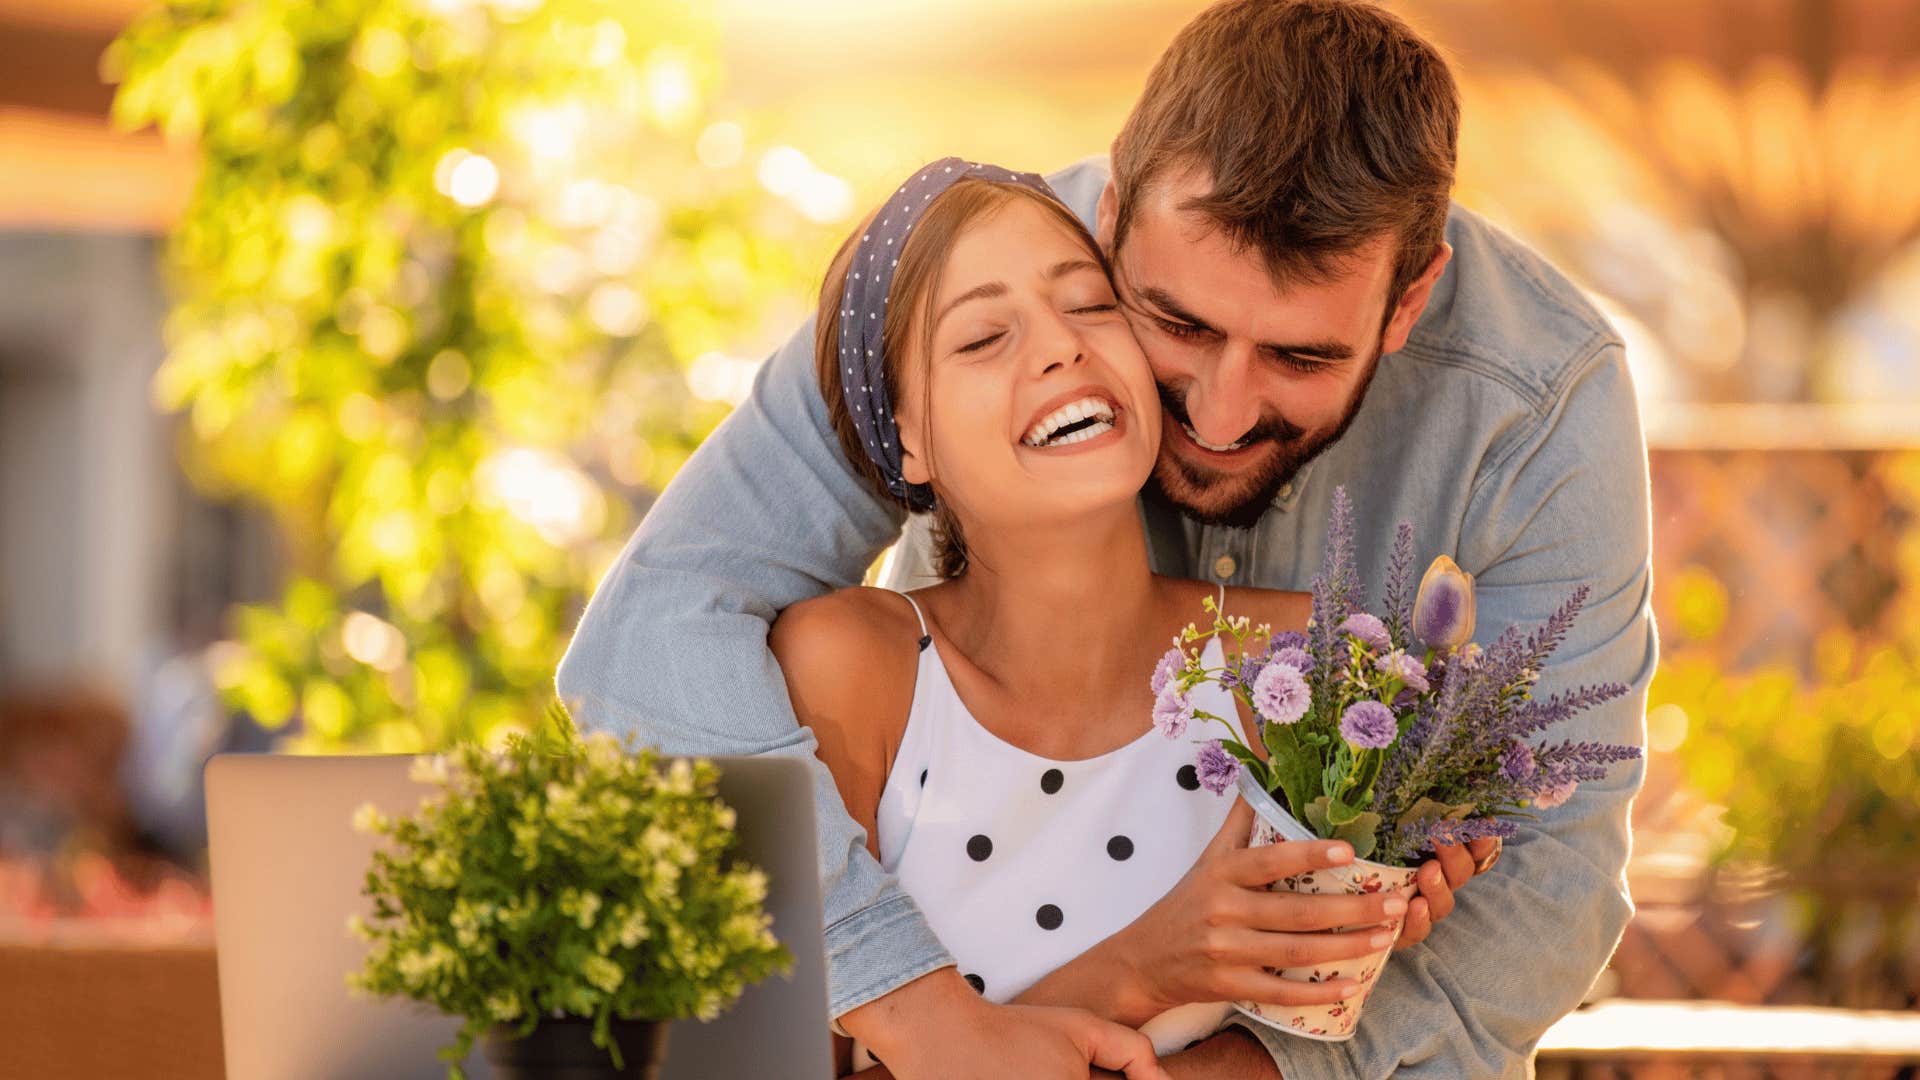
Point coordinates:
[(1391, 732)]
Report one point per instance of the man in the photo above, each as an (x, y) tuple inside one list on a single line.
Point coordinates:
[(1316, 316)]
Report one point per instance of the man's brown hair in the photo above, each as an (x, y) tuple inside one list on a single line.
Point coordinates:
[(907, 327), (1322, 123)]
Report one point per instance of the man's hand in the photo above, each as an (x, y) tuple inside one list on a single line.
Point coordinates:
[(1438, 877), (1213, 935), (938, 1027)]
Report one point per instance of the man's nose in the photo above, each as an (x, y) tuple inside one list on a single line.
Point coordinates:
[(1220, 403)]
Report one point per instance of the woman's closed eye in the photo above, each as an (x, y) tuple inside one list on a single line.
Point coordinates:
[(981, 343)]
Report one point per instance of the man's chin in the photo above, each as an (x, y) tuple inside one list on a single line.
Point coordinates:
[(1235, 502)]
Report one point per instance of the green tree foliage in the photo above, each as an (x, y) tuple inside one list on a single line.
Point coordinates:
[(436, 291), (1819, 783)]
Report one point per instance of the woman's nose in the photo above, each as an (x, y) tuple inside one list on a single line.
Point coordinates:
[(1057, 345)]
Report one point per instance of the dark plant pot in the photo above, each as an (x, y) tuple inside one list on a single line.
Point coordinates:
[(562, 1049)]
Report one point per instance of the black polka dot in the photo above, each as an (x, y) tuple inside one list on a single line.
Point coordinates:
[(1189, 777), (1048, 917), (1120, 848), (923, 778), (979, 985), (979, 847), (1051, 780)]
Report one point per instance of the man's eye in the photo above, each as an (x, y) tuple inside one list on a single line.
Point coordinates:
[(1301, 364), (1184, 331), (976, 346)]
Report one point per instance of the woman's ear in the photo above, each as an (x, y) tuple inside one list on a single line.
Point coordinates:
[(915, 461)]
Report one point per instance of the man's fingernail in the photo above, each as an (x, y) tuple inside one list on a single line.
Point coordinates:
[(1395, 906)]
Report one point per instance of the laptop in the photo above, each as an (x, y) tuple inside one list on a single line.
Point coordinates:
[(287, 868)]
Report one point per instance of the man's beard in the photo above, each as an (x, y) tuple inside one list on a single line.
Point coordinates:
[(1237, 500)]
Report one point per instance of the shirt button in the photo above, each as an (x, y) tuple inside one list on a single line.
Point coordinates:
[(1224, 566), (1286, 490)]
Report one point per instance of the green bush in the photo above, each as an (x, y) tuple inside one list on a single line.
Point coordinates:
[(571, 877)]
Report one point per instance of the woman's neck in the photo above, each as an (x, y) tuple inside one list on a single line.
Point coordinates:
[(1057, 607)]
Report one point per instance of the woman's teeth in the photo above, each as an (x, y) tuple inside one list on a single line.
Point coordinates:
[(1198, 441), (1075, 422)]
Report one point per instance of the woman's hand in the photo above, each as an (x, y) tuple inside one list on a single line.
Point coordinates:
[(938, 1027), (1451, 867), (1213, 935)]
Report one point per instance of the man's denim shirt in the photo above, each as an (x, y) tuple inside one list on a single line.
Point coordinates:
[(1505, 430)]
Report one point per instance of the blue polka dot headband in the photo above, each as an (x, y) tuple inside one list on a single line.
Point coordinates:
[(863, 311)]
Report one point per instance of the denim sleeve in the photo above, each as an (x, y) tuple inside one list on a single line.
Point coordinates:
[(1561, 505), (673, 644)]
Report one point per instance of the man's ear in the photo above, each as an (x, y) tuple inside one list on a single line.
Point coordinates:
[(1414, 301), (1104, 216)]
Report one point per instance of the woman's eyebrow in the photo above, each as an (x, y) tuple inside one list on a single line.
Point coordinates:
[(999, 288), (1067, 266), (978, 292)]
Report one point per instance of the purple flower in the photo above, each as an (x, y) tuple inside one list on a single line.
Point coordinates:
[(1172, 711), (1280, 693), (1295, 657), (1516, 761), (1465, 832), (1554, 794), (1443, 610), (1218, 769), (1368, 629), (1369, 725), (1166, 669), (1287, 639), (1407, 669)]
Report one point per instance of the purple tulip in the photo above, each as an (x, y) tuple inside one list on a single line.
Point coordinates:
[(1443, 610)]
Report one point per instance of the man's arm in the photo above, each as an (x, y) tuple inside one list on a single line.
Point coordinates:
[(1561, 505), (673, 644)]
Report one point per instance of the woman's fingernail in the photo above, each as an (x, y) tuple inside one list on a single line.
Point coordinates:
[(1380, 940), (1395, 906), (1339, 853)]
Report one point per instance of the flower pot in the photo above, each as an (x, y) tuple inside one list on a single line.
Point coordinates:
[(1335, 1022), (561, 1048)]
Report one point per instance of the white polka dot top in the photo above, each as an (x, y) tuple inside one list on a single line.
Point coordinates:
[(1022, 862)]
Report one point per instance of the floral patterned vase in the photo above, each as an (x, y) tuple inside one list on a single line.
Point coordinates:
[(1335, 1022)]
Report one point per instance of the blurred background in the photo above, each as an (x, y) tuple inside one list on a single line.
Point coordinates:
[(342, 345)]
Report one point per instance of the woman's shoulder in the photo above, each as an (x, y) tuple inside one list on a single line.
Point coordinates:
[(852, 646)]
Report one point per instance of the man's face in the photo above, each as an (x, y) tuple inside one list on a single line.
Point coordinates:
[(1255, 378)]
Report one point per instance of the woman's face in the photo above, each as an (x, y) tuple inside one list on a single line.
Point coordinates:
[(1040, 406)]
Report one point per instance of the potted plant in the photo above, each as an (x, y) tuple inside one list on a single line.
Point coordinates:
[(567, 898)]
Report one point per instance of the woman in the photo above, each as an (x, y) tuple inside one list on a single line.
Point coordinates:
[(992, 733)]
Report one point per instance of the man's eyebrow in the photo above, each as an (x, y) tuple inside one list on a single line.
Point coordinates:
[(1164, 300), (1323, 349), (1320, 350), (978, 292)]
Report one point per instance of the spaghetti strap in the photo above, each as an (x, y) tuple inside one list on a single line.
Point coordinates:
[(1222, 602), (926, 638)]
